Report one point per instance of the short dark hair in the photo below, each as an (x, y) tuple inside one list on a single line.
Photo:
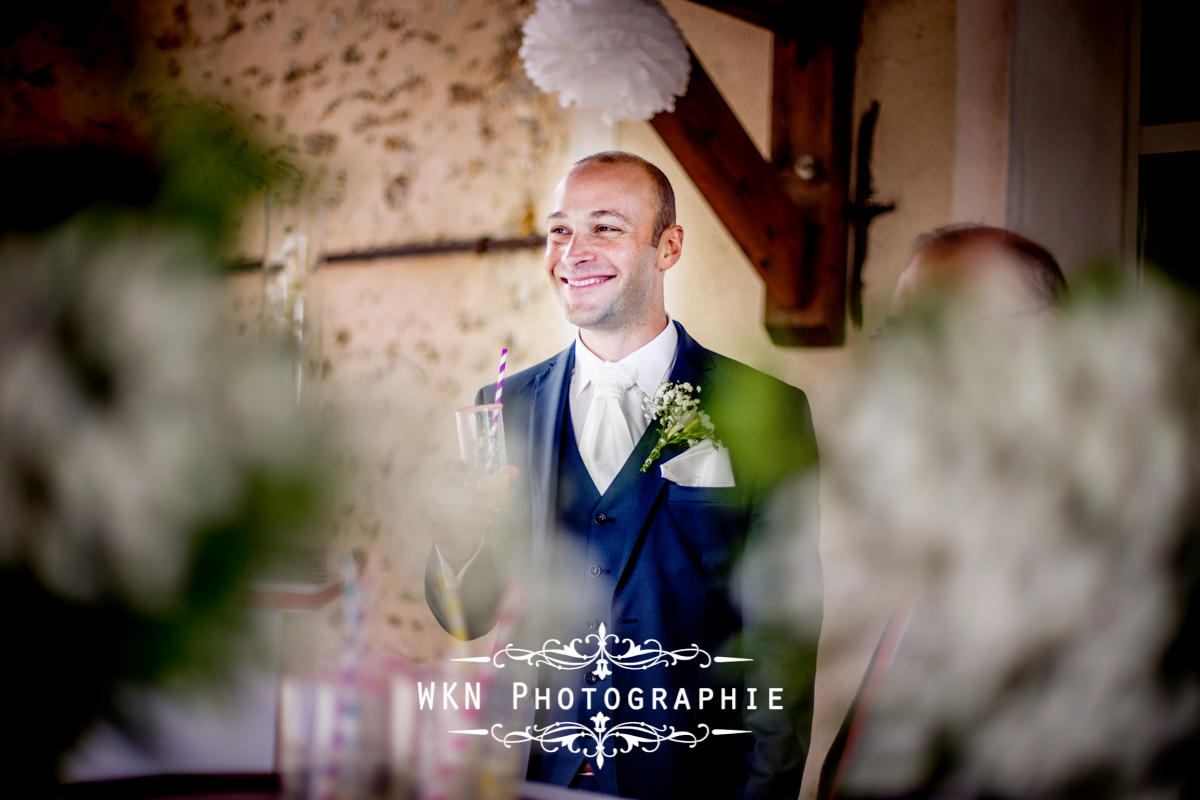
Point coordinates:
[(665, 217), (1041, 271)]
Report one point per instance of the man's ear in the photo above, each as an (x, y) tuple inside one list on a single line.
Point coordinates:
[(670, 247)]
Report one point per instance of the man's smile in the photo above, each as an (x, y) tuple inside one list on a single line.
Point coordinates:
[(579, 283)]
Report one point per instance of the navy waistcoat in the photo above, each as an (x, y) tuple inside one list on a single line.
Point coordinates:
[(586, 552)]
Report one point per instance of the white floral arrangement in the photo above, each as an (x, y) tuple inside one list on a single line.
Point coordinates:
[(623, 57), (1026, 487), (124, 399), (151, 464), (675, 408)]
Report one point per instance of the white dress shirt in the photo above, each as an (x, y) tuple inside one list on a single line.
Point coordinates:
[(652, 362)]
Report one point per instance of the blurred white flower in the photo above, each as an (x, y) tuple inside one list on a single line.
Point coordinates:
[(130, 418), (1029, 486), (623, 57)]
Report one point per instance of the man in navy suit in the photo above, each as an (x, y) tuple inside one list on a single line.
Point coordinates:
[(646, 556)]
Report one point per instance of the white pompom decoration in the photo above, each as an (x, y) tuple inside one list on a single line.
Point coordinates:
[(623, 57)]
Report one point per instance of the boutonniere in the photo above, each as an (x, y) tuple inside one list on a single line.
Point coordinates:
[(675, 407)]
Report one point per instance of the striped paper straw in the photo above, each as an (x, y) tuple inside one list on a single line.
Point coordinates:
[(494, 416), (500, 380)]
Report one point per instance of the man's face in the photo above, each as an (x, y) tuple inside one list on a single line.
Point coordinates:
[(599, 250)]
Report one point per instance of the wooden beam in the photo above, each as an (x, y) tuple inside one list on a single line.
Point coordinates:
[(769, 14), (806, 21), (811, 135), (743, 189), (787, 213)]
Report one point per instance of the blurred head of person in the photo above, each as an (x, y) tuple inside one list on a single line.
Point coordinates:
[(979, 270)]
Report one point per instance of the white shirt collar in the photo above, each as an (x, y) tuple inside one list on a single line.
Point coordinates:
[(652, 361)]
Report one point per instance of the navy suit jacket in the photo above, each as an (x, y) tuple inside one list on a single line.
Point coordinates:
[(672, 579)]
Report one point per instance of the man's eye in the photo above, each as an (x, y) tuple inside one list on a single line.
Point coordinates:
[(606, 229), (558, 230)]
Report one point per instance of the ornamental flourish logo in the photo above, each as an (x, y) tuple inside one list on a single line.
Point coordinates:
[(602, 652), (600, 743), (649, 653)]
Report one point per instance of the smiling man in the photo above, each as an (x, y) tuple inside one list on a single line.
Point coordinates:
[(641, 554), (611, 237)]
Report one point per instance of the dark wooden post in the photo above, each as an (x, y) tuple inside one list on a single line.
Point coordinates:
[(811, 136), (787, 213)]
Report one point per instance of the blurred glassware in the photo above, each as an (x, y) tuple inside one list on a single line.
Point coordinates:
[(481, 438), (293, 242)]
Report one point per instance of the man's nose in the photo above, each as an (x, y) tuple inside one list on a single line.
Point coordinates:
[(578, 250)]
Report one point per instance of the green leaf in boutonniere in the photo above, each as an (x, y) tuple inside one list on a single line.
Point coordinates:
[(675, 408)]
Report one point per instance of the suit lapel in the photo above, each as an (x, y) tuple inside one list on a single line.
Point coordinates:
[(545, 420), (692, 363)]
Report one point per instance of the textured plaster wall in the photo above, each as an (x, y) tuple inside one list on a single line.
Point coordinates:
[(393, 107), (415, 121)]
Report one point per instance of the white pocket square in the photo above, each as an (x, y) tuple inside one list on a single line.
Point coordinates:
[(702, 465)]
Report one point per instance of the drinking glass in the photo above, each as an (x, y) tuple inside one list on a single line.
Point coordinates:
[(481, 437)]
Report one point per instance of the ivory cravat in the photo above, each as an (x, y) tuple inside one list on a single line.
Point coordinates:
[(606, 441)]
